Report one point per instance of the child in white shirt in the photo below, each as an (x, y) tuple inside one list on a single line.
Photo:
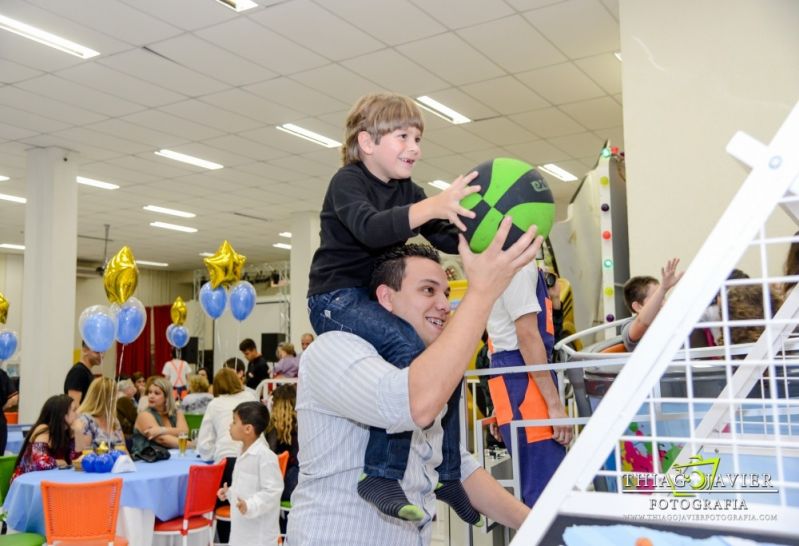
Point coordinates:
[(257, 484)]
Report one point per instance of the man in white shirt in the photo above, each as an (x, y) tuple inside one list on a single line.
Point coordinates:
[(177, 372), (345, 387)]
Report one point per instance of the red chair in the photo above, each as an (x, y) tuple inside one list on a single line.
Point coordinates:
[(200, 501), (90, 522)]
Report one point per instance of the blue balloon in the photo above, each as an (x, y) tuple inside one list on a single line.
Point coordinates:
[(8, 344), (103, 463), (213, 300), (97, 327), (88, 462), (130, 321), (177, 335), (242, 300)]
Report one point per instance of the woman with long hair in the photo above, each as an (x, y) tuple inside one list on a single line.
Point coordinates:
[(97, 417), (162, 421), (281, 434), (49, 444)]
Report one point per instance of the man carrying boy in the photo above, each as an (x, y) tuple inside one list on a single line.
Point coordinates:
[(257, 484), (644, 296), (345, 387), (372, 205)]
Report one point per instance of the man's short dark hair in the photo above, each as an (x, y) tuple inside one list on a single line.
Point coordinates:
[(255, 414), (389, 268), (234, 364), (635, 290), (247, 345)]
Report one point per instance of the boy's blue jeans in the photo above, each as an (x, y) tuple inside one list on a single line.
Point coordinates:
[(351, 310)]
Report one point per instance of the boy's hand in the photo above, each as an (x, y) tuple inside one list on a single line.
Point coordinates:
[(447, 204), (241, 504), (668, 274), (222, 493)]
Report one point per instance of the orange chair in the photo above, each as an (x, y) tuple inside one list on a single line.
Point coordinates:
[(90, 522), (200, 500), (223, 512)]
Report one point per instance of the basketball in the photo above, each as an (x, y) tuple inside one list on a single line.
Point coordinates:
[(507, 187)]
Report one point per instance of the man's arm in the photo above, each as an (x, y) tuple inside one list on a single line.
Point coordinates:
[(434, 374), (534, 352), (75, 395), (491, 499)]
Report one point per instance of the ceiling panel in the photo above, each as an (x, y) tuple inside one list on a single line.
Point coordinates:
[(537, 152), (579, 145), (55, 109), (395, 22), (436, 54), (296, 95), (500, 131), (212, 115), (173, 125), (80, 95), (456, 14), (548, 122), (579, 28), (604, 69), (27, 120), (185, 14), (250, 105), (11, 72), (390, 70), (595, 113), (561, 83), (506, 95), (144, 135)]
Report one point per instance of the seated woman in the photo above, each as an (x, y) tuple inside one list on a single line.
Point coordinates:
[(197, 399), (288, 364), (97, 417), (281, 434), (126, 408), (49, 443), (162, 421)]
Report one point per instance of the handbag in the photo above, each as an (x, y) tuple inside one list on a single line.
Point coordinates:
[(151, 453)]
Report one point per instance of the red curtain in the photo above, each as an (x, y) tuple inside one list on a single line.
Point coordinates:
[(163, 351), (135, 357)]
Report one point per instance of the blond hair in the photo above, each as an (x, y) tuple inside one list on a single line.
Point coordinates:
[(287, 348), (227, 382), (164, 386), (284, 417), (198, 383), (100, 398), (377, 114)]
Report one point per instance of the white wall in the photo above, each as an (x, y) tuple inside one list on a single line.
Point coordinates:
[(695, 72)]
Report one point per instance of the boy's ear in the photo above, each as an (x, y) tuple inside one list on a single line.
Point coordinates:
[(636, 307), (365, 142), (385, 297)]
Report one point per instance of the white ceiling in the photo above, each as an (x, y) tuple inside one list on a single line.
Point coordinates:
[(538, 77)]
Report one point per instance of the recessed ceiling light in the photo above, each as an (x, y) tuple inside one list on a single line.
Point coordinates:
[(11, 246), (308, 135), (206, 254), (441, 110), (282, 245), (46, 38), (96, 183), (13, 198), (190, 159), (440, 184), (4, 178), (173, 212), (617, 54), (175, 227), (286, 234), (557, 172), (238, 5), (155, 264)]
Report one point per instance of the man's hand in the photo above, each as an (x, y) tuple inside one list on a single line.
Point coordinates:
[(668, 274), (490, 272), (562, 434)]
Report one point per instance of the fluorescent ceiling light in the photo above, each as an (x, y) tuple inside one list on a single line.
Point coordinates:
[(282, 245), (301, 132), (13, 198), (96, 183), (175, 227), (12, 246), (286, 234), (617, 54), (238, 5), (441, 110), (440, 184), (4, 178), (190, 159), (44, 37), (156, 264), (557, 172), (173, 212), (206, 254)]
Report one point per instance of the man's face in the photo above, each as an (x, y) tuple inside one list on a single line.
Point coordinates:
[(305, 341), (250, 354), (422, 298), (92, 358)]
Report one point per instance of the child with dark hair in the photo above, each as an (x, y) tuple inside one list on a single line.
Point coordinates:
[(49, 444), (254, 493), (644, 297)]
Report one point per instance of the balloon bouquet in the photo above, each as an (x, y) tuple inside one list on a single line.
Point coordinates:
[(8, 338), (225, 269)]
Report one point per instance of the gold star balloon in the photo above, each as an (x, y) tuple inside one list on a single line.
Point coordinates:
[(225, 267), (178, 311), (3, 308), (121, 276)]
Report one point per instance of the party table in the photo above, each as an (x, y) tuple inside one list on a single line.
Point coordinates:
[(154, 490)]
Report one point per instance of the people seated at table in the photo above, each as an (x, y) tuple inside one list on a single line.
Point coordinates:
[(288, 363), (162, 421), (141, 386), (8, 399), (97, 418), (127, 412), (49, 444), (281, 434), (199, 397)]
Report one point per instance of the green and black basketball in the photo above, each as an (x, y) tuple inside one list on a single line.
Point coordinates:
[(507, 187)]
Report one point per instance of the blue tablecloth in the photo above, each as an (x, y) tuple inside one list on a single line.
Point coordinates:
[(15, 439), (159, 487)]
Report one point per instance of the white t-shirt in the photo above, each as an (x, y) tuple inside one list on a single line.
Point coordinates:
[(177, 371), (517, 300)]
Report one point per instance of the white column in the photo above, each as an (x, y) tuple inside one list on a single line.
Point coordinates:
[(304, 242), (48, 320)]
